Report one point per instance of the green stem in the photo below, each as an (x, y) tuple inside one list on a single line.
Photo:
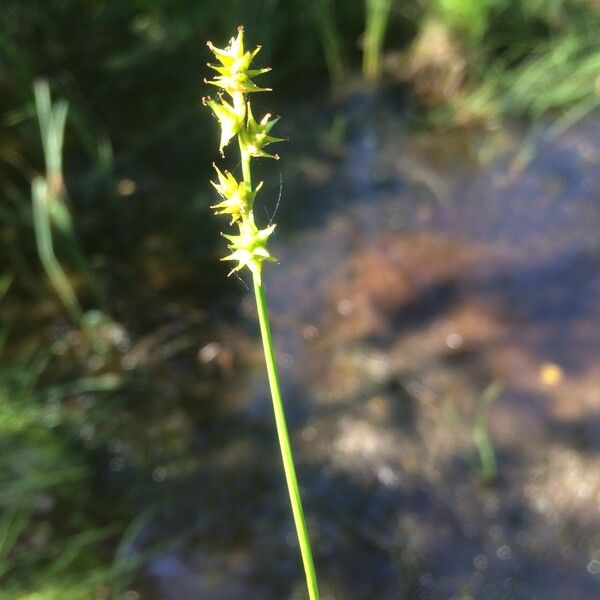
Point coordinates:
[(246, 171), (284, 441), (247, 174)]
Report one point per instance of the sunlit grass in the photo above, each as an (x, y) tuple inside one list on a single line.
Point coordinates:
[(377, 16)]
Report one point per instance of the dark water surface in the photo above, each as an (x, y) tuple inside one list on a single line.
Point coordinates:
[(416, 270)]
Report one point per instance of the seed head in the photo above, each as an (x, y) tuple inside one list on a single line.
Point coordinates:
[(235, 77)]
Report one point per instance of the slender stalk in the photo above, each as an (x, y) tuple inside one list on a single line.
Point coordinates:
[(246, 170), (284, 441)]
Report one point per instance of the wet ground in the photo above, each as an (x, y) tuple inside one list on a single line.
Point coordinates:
[(417, 270)]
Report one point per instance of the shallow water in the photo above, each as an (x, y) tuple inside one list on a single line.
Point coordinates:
[(416, 269)]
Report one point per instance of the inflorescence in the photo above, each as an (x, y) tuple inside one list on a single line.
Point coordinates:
[(235, 78)]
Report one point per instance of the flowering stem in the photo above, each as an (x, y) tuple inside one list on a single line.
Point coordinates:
[(249, 248), (284, 442)]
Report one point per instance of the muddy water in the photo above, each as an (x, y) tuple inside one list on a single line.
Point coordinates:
[(416, 270)]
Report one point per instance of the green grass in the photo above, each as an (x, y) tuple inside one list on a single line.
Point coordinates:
[(50, 207), (51, 543), (532, 60), (377, 16), (57, 536), (488, 465), (332, 42)]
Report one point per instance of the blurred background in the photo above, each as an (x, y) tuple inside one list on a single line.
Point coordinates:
[(436, 310)]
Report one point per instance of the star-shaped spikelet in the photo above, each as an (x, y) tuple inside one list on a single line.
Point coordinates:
[(237, 199), (255, 136), (230, 118), (235, 75), (249, 248)]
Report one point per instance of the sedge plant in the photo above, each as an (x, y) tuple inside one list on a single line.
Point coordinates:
[(249, 247)]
